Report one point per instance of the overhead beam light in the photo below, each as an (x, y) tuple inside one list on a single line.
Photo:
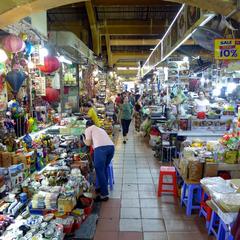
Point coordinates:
[(169, 28), (183, 41), (208, 18), (133, 68), (121, 68), (127, 68)]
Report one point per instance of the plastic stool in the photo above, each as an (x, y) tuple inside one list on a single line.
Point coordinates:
[(110, 177), (167, 171), (188, 200), (224, 232), (214, 224), (205, 210), (218, 228)]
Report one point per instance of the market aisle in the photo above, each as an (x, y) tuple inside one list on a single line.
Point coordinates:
[(134, 212)]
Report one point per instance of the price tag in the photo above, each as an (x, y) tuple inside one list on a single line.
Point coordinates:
[(227, 49)]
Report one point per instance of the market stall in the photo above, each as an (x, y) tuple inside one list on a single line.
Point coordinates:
[(45, 184)]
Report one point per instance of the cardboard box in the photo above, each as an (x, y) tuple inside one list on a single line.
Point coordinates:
[(195, 169), (6, 159), (210, 170), (183, 168)]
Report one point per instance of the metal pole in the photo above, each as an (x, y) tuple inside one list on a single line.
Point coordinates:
[(61, 90), (78, 86)]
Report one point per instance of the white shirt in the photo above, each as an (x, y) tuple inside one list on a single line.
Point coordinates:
[(98, 137), (201, 105)]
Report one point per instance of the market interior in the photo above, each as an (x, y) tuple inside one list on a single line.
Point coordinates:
[(119, 120)]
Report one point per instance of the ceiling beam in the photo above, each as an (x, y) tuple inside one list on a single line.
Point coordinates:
[(75, 27), (127, 64), (132, 22), (127, 72), (132, 30), (142, 42), (134, 42), (132, 27), (13, 11), (130, 56), (131, 2), (109, 52), (93, 26)]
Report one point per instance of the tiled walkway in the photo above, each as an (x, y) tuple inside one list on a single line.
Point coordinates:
[(134, 212)]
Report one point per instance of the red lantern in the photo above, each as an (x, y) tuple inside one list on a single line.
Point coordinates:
[(52, 95), (13, 44), (51, 64)]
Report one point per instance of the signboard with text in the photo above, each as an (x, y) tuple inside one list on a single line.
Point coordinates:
[(227, 49)]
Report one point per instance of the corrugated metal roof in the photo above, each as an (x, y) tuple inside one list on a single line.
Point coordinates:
[(136, 12)]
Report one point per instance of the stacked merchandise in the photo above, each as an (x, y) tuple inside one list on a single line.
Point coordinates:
[(108, 126), (224, 193), (102, 89), (47, 176), (199, 158)]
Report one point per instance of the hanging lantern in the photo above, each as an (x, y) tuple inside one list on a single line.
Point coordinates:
[(52, 95), (15, 78), (51, 64), (13, 44)]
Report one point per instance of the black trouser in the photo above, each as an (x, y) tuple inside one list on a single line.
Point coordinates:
[(125, 126)]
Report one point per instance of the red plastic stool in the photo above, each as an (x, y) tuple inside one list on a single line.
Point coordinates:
[(205, 210), (167, 171)]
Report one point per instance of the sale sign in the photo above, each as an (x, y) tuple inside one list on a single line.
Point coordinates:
[(227, 49)]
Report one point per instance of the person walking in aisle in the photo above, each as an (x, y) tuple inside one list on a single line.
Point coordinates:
[(126, 117), (103, 155)]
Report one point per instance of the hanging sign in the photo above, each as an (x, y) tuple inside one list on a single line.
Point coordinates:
[(40, 86), (227, 49)]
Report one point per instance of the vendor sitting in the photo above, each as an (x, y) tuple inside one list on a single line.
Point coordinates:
[(201, 104), (92, 114)]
